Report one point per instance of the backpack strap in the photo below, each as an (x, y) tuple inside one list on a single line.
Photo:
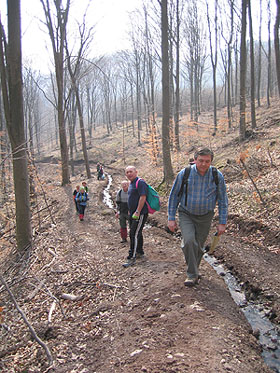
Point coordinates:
[(137, 182), (215, 175), (185, 182)]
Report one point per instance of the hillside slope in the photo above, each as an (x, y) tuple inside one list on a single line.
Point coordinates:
[(143, 319)]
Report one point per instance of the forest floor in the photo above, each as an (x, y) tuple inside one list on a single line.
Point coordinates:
[(143, 318)]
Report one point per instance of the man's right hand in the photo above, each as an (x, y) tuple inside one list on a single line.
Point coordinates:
[(172, 225)]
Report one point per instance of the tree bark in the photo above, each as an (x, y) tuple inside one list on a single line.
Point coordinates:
[(252, 65), (277, 44), (243, 67), (13, 104), (58, 37), (167, 166)]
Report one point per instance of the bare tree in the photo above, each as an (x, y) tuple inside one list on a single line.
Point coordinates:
[(268, 90), (56, 25), (11, 81), (167, 166), (277, 44), (252, 67), (74, 70), (195, 56), (214, 56), (259, 58), (243, 67)]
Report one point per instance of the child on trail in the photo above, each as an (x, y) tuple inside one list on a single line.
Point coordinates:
[(100, 175), (84, 184), (81, 199), (76, 191), (122, 212)]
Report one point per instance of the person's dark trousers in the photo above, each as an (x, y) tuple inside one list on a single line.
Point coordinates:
[(77, 208), (136, 236), (81, 211)]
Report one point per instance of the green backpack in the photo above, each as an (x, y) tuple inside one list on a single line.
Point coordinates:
[(152, 201)]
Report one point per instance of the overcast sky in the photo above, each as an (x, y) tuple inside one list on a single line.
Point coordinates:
[(110, 17)]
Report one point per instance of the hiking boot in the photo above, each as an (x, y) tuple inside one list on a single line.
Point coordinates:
[(206, 249), (191, 281), (124, 240), (130, 262), (141, 256)]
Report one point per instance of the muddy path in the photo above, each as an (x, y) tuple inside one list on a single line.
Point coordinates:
[(143, 318), (138, 319)]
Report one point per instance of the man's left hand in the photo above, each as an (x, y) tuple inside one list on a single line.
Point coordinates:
[(221, 229)]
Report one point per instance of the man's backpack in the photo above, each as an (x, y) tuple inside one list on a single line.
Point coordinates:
[(186, 180), (152, 201)]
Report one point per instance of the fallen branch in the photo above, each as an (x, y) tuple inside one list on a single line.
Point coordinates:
[(51, 311), (254, 184), (71, 297), (30, 327), (35, 291)]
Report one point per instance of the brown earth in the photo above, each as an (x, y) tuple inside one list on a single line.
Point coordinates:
[(143, 318)]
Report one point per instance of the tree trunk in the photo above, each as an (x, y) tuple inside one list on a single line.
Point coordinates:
[(276, 44), (58, 37), (260, 58), (80, 112), (214, 57), (13, 103), (268, 89), (252, 65), (167, 166), (177, 80), (243, 67)]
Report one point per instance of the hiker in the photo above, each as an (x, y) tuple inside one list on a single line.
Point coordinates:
[(84, 184), (122, 209), (76, 191), (81, 199), (197, 210), (100, 175), (138, 214)]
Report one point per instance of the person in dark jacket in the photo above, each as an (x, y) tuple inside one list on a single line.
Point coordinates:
[(122, 209), (81, 199), (100, 175), (76, 191), (138, 214)]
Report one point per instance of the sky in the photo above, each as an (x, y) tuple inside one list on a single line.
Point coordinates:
[(111, 20), (110, 17)]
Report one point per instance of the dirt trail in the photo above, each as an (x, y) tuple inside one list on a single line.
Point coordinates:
[(143, 318), (139, 319)]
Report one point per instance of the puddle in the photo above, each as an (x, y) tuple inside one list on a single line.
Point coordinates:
[(269, 333)]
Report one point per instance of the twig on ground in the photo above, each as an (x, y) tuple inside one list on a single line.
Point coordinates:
[(51, 311), (30, 327)]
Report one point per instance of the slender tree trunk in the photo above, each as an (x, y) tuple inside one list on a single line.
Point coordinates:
[(252, 65), (167, 166), (276, 44), (243, 67), (260, 58), (58, 37), (268, 89), (80, 114), (177, 80), (214, 58), (13, 104)]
